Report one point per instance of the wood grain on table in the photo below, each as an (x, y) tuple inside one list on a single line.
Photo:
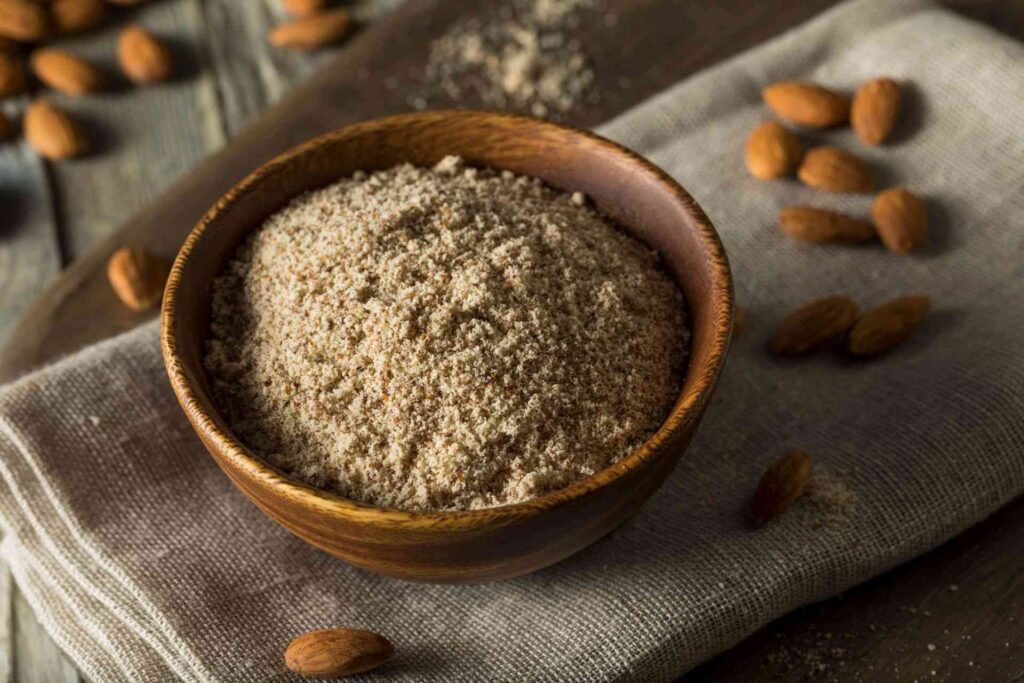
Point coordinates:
[(56, 215)]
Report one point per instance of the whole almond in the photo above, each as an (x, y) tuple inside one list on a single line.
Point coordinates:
[(835, 170), (814, 326), (52, 133), (822, 226), (312, 32), (900, 219), (65, 72), (6, 128), (23, 20), (772, 151), (143, 57), (304, 8), (137, 277), (74, 16), (781, 485), (875, 108), (890, 324), (336, 652), (12, 75), (807, 104)]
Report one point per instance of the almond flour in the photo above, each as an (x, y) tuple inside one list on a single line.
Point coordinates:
[(521, 56), (442, 339)]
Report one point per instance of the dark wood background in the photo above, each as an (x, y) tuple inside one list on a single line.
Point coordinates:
[(953, 614)]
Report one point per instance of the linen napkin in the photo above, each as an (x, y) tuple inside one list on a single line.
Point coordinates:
[(145, 563)]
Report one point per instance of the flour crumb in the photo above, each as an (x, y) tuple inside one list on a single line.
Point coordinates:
[(828, 498), (442, 339), (519, 56)]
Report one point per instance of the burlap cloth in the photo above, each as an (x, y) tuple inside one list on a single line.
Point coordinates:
[(144, 562)]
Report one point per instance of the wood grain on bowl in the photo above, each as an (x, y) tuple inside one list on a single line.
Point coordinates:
[(473, 545)]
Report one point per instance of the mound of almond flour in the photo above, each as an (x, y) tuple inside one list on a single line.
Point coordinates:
[(446, 338)]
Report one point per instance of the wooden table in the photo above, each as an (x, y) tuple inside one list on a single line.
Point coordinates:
[(956, 612)]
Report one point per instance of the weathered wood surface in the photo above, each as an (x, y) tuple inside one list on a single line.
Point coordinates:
[(53, 215)]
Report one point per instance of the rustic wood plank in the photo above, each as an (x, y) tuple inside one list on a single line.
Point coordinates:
[(143, 138), (37, 658), (29, 250)]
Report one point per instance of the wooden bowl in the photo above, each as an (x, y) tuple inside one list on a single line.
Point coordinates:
[(475, 545)]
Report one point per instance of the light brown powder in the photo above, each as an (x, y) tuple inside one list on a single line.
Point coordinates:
[(447, 338), (829, 498), (520, 56)]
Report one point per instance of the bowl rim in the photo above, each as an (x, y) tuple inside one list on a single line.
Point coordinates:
[(682, 414)]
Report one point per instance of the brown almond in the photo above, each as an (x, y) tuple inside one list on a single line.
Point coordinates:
[(890, 324), (304, 8), (23, 20), (65, 72), (822, 226), (835, 170), (807, 104), (312, 32), (336, 652), (12, 75), (900, 219), (143, 57), (137, 277), (875, 109), (75, 16), (52, 133), (781, 485), (6, 128), (772, 151), (815, 325)]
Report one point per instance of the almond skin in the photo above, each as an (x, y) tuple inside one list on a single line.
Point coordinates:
[(143, 57), (781, 485), (52, 133), (23, 20), (814, 326), (304, 8), (822, 226), (772, 151), (807, 104), (312, 32), (75, 16), (889, 325), (12, 75), (332, 653), (875, 109), (900, 219), (137, 277), (834, 170), (65, 72)]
